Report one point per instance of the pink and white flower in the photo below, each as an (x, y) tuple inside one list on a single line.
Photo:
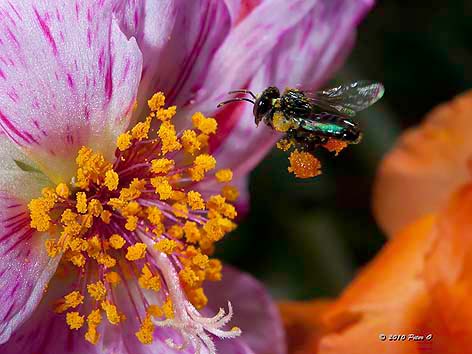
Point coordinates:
[(71, 73)]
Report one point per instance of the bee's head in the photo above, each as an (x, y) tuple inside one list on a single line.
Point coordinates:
[(264, 103)]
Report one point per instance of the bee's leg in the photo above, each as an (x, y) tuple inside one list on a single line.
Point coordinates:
[(320, 140)]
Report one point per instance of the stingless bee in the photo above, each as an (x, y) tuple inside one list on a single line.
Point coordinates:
[(312, 119)]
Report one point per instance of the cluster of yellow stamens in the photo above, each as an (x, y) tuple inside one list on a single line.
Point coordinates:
[(108, 219)]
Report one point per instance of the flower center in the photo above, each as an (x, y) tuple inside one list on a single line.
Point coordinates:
[(142, 216)]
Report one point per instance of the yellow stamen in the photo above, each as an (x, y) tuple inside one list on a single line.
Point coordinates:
[(95, 208), (162, 165), (112, 313), (163, 187), (39, 210), (141, 130), (51, 247), (106, 260), (105, 216), (135, 252), (192, 233), (168, 137), (81, 202), (180, 210), (93, 320), (97, 290), (113, 278), (154, 215), (155, 311), (189, 277), (62, 190), (225, 175), (111, 180), (78, 259), (213, 272), (190, 141), (124, 141), (116, 241), (145, 333), (78, 244), (166, 246), (94, 246), (74, 320), (131, 223), (166, 114), (203, 163), (168, 309), (205, 125), (147, 280), (195, 200), (175, 231), (157, 101), (71, 300), (197, 297), (231, 193)]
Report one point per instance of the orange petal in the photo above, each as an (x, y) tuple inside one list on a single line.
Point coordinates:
[(426, 165), (388, 297), (448, 273), (303, 325)]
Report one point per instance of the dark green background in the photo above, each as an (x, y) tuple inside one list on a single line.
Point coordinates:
[(308, 238)]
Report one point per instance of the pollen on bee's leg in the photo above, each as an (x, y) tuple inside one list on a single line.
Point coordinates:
[(304, 164), (280, 123), (335, 146), (284, 144)]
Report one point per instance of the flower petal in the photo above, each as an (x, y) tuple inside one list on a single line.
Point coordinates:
[(302, 52), (426, 165), (447, 271), (176, 49), (254, 311), (388, 297), (303, 324), (47, 332), (25, 268), (68, 77)]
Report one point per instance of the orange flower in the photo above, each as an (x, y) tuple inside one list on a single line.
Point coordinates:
[(427, 164), (421, 282)]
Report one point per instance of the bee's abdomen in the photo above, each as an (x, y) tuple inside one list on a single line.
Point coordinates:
[(295, 104), (334, 127)]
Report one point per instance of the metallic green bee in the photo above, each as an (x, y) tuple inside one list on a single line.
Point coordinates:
[(310, 119)]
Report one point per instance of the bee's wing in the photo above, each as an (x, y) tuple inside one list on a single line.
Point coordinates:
[(349, 98)]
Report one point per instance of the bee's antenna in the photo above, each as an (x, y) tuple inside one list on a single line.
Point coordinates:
[(235, 100), (243, 91)]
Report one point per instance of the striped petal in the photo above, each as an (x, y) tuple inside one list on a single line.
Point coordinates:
[(47, 332), (68, 77), (178, 47), (25, 268)]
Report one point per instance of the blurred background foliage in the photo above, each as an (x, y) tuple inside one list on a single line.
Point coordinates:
[(308, 238)]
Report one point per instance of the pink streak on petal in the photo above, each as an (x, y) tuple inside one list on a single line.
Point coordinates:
[(25, 268), (46, 31), (73, 71)]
